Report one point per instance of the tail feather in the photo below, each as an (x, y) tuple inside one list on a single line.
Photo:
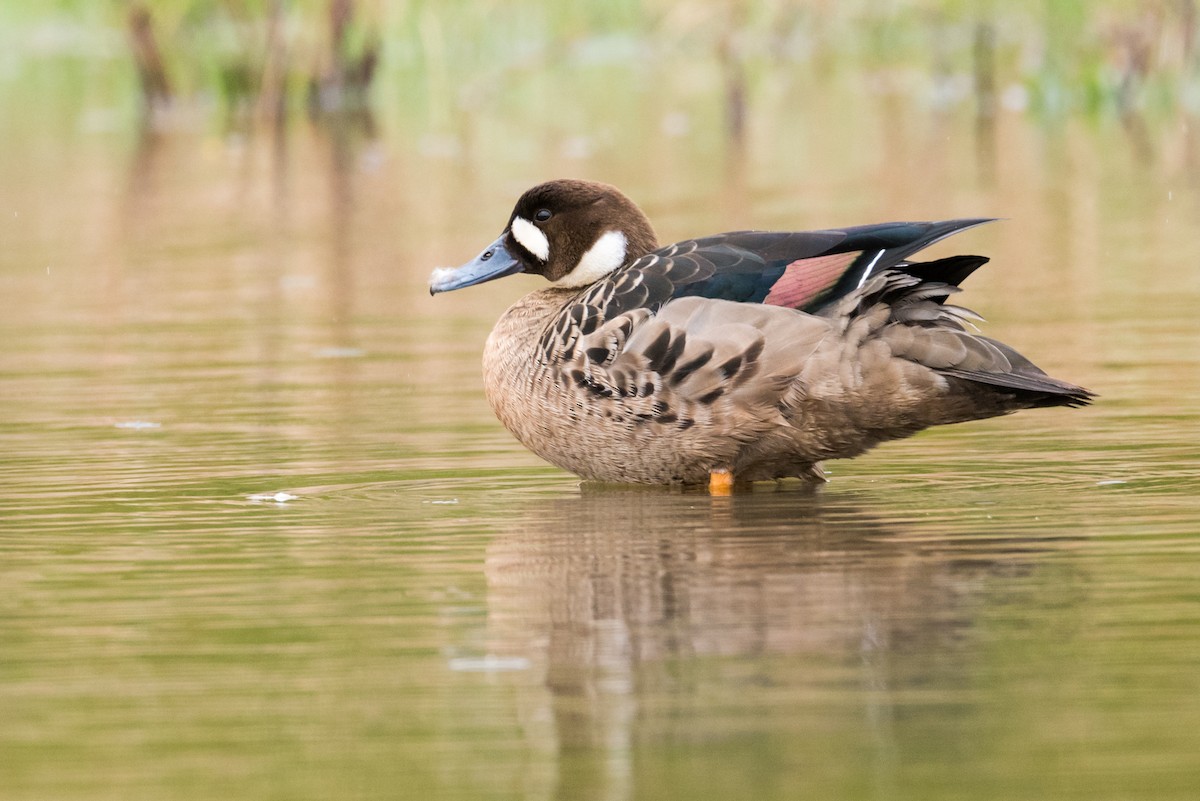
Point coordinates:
[(1038, 390), (1027, 379), (922, 329)]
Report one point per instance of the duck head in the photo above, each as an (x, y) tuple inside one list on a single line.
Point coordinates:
[(573, 233)]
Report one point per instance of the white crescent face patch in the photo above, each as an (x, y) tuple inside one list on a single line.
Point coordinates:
[(606, 255), (531, 238)]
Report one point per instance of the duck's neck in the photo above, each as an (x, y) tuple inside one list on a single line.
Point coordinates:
[(512, 357)]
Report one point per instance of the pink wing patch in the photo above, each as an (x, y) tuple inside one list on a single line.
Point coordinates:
[(804, 279)]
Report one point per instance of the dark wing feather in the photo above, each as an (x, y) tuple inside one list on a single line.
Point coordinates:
[(887, 246), (802, 270), (953, 270)]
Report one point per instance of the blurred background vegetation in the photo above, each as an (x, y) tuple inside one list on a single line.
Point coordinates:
[(241, 61)]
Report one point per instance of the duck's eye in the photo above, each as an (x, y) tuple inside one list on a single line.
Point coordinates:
[(542, 215)]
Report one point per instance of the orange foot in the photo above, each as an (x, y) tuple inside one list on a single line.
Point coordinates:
[(720, 482)]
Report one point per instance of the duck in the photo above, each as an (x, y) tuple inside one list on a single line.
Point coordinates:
[(739, 357)]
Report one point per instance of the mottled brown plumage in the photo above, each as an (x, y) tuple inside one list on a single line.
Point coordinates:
[(650, 373)]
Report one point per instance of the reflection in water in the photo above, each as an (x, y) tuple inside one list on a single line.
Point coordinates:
[(348, 135), (984, 63), (618, 597)]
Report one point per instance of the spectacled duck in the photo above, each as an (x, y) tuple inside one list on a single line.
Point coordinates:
[(742, 356)]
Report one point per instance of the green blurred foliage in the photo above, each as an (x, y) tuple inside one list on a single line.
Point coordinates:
[(1051, 57)]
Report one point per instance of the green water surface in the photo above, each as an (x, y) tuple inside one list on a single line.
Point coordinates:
[(261, 537)]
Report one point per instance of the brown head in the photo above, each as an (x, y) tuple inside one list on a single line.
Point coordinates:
[(571, 232)]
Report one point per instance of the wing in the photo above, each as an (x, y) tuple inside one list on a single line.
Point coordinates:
[(809, 271), (804, 270)]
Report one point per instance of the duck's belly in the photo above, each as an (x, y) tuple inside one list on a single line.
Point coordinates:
[(603, 442), (609, 448)]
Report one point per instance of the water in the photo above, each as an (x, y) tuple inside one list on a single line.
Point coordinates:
[(263, 538)]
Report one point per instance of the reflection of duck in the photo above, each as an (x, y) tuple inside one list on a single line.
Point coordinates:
[(749, 354), (625, 602), (760, 573)]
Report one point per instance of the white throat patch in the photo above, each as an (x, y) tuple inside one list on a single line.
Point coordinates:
[(531, 238), (601, 259)]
